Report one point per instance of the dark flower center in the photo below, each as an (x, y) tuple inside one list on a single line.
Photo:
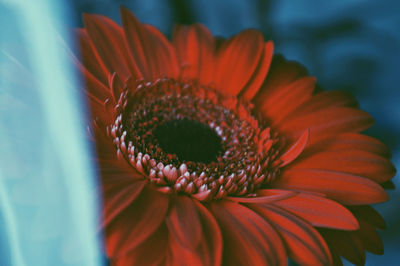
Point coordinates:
[(189, 140), (186, 138)]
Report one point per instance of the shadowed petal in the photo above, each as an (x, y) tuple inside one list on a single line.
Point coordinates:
[(136, 223), (207, 252), (305, 245), (150, 252), (183, 222), (248, 239)]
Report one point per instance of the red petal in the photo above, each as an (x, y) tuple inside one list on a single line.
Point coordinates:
[(195, 47), (353, 141), (295, 150), (323, 100), (90, 58), (266, 196), (280, 75), (369, 238), (281, 103), (319, 211), (151, 252), (165, 52), (209, 250), (305, 245), (108, 38), (367, 213), (136, 223), (258, 77), (346, 244), (345, 188), (248, 239), (327, 123), (119, 198), (184, 223), (237, 60), (148, 47), (369, 165)]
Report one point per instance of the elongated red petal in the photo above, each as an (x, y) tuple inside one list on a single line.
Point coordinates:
[(327, 123), (361, 163), (287, 99), (248, 239), (137, 223), (345, 188), (258, 77), (266, 196), (280, 75), (209, 249), (108, 38), (319, 211), (295, 150), (150, 252), (237, 59), (346, 244), (90, 58), (148, 48), (352, 141), (304, 244), (119, 198), (184, 222), (195, 48)]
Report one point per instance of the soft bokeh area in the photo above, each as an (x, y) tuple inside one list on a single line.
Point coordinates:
[(48, 209)]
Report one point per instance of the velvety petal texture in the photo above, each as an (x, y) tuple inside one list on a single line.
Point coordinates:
[(319, 178)]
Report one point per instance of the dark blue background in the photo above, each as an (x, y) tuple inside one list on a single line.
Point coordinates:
[(347, 45)]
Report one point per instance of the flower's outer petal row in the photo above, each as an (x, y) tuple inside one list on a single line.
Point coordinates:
[(350, 142), (248, 238), (89, 56), (361, 163), (184, 223), (258, 77), (209, 249), (326, 123), (303, 243), (282, 103), (345, 244), (237, 60), (342, 187), (322, 100), (151, 52), (128, 230), (319, 211), (118, 198), (166, 55), (195, 49), (280, 75), (150, 252), (367, 213), (108, 38)]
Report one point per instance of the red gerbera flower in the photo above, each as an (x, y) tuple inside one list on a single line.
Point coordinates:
[(218, 152)]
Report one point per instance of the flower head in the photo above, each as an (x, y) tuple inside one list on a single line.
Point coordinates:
[(217, 153)]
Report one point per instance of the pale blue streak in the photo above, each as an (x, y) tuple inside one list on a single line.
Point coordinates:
[(48, 206)]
